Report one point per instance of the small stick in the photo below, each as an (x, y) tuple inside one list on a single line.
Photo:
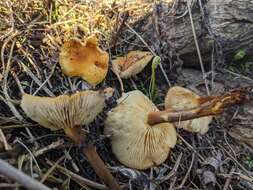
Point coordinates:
[(197, 47), (16, 175), (228, 179), (78, 179)]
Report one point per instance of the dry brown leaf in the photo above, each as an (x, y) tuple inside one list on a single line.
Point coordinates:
[(84, 60)]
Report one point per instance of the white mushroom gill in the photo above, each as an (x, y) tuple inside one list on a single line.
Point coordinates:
[(134, 142)]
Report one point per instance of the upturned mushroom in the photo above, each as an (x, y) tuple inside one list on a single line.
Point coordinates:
[(179, 98), (135, 143), (130, 64), (70, 113), (87, 60)]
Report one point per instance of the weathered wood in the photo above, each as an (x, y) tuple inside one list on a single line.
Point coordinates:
[(228, 23)]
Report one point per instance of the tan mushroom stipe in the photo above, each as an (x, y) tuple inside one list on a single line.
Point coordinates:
[(135, 143), (179, 98), (65, 112), (131, 64), (87, 61)]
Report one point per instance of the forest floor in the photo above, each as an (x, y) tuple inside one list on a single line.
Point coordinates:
[(31, 35)]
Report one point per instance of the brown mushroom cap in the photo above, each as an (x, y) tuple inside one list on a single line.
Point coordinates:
[(179, 98), (131, 64), (65, 111), (87, 61), (135, 143)]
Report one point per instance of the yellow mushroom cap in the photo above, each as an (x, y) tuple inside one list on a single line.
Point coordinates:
[(179, 98), (131, 64), (65, 111), (135, 143), (87, 61)]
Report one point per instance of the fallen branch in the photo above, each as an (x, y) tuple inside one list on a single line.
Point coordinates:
[(210, 106), (18, 176), (78, 179)]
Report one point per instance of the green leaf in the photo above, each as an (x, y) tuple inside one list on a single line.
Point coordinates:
[(240, 54)]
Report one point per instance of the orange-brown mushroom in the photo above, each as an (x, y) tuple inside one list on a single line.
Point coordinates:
[(130, 64), (87, 60)]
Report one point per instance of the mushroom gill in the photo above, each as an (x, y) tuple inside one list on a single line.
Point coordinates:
[(135, 143), (70, 113)]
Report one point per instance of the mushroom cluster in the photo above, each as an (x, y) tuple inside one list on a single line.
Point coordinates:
[(141, 135)]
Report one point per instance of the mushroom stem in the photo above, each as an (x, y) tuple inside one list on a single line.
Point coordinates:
[(100, 168), (212, 105), (89, 150), (157, 117)]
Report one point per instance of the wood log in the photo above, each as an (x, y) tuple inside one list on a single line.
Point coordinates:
[(222, 28)]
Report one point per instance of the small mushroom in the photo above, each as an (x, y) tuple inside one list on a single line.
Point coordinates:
[(135, 143), (205, 106), (87, 60), (179, 98), (130, 64), (69, 113)]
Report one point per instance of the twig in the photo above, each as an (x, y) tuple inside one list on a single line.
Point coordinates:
[(50, 75), (197, 47), (191, 147), (239, 75), (78, 179), (45, 176), (238, 163), (228, 179), (36, 80), (18, 176), (210, 105), (188, 172), (30, 152), (175, 170), (68, 156), (244, 177), (5, 90), (4, 141)]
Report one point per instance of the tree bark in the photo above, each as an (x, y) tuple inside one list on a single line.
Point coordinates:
[(222, 27)]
